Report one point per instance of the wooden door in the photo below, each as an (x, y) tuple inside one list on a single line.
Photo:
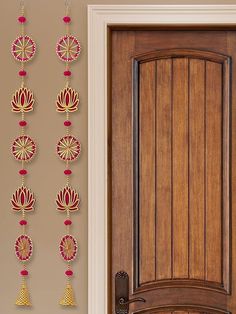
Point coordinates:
[(172, 177)]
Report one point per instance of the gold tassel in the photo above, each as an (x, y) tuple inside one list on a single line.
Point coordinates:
[(68, 298), (24, 297)]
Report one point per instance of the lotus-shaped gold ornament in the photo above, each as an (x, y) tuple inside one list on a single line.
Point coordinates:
[(67, 199), (22, 100), (67, 100), (23, 199)]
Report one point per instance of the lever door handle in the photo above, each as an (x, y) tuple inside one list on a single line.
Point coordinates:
[(123, 302)]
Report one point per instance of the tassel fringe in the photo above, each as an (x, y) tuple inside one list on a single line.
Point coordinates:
[(68, 298), (24, 297)]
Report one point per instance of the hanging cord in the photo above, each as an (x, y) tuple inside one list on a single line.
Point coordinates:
[(67, 5), (22, 6)]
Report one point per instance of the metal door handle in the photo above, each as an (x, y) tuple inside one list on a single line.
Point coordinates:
[(123, 302)]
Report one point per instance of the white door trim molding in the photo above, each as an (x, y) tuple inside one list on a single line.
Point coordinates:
[(100, 17)]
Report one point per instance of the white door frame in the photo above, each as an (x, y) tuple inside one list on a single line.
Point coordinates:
[(100, 17)]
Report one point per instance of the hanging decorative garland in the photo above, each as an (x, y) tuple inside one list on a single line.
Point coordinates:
[(68, 150), (23, 149)]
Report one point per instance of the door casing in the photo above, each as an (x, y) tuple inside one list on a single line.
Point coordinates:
[(101, 19)]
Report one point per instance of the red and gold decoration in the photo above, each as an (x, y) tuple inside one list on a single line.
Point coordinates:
[(23, 248), (68, 48), (67, 199), (23, 100), (23, 150), (23, 199), (23, 48), (67, 100), (68, 248), (68, 150)]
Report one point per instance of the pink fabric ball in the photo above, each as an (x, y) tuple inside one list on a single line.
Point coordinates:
[(67, 123), (23, 172), (66, 19), (67, 73), (69, 272), (22, 123), (67, 172), (22, 73), (67, 222), (22, 19), (24, 272)]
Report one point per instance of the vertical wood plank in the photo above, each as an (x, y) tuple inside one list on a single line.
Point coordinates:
[(121, 156), (213, 171), (226, 175), (147, 172), (196, 168), (163, 169), (180, 168)]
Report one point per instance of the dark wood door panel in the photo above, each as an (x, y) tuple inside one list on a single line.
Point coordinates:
[(183, 153), (156, 311), (151, 41), (172, 157), (182, 310)]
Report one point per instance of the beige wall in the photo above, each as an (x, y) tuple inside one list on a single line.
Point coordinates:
[(46, 171)]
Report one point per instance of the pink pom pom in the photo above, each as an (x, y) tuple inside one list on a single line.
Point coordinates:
[(23, 172), (66, 19), (69, 272), (22, 73), (67, 123), (67, 222), (67, 172), (22, 19), (22, 123), (23, 222), (67, 73), (24, 272)]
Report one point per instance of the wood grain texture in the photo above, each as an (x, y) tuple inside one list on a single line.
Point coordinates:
[(182, 223), (121, 188), (147, 194), (187, 309), (176, 312), (196, 168), (163, 169), (213, 172), (174, 179), (180, 168)]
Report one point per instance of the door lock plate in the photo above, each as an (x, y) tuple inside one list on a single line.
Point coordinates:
[(121, 292)]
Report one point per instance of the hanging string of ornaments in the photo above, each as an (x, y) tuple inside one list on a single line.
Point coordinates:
[(23, 149), (68, 150)]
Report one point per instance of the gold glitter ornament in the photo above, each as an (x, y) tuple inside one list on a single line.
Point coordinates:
[(68, 298), (24, 297)]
